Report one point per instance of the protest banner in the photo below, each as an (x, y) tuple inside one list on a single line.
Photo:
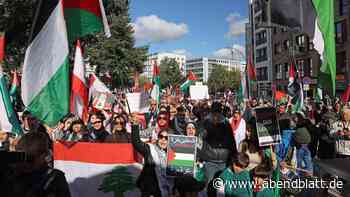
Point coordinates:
[(267, 126), (199, 92), (181, 155), (103, 100), (138, 102), (90, 173)]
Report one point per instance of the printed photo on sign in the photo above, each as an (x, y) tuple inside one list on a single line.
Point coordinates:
[(181, 156), (267, 126), (103, 101)]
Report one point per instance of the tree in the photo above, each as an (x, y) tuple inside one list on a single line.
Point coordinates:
[(118, 181), (117, 54), (221, 79), (16, 21), (169, 73)]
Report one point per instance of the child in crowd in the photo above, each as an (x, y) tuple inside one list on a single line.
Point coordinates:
[(236, 174), (261, 176)]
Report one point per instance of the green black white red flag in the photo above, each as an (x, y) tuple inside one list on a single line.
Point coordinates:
[(191, 78), (316, 19), (45, 78), (85, 17), (295, 89)]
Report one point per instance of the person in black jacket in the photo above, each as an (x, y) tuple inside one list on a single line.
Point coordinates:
[(34, 177), (97, 130), (152, 180), (218, 135)]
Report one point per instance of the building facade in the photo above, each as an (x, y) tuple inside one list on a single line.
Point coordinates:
[(273, 48), (158, 57), (202, 67), (261, 46)]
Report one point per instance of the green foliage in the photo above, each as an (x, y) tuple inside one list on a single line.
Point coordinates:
[(221, 79), (118, 53), (16, 21), (169, 73), (118, 181)]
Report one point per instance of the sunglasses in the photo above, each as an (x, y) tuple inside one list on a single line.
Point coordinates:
[(163, 137), (162, 118), (119, 122), (97, 122)]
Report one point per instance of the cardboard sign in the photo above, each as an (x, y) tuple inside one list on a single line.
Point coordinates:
[(103, 101), (181, 155), (267, 126), (138, 102), (199, 92), (343, 146)]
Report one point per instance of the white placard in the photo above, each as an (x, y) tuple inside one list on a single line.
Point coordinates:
[(199, 92), (138, 102)]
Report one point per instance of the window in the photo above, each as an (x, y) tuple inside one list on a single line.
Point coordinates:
[(342, 7), (261, 55), (286, 70), (340, 32), (300, 66), (262, 74), (341, 62), (300, 40), (312, 68), (278, 48), (279, 71), (286, 44), (261, 37)]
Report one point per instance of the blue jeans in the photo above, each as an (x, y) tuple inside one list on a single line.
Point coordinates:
[(304, 160)]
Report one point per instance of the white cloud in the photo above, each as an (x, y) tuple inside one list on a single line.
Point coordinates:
[(183, 52), (236, 25), (238, 53), (154, 29)]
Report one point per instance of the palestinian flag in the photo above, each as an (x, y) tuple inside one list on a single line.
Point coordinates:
[(8, 118), (14, 84), (295, 89), (280, 97), (90, 173), (155, 93), (45, 79), (181, 157), (250, 69), (79, 100), (2, 47), (191, 78), (316, 19), (346, 95), (85, 17)]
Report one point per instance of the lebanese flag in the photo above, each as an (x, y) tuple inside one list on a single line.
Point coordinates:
[(90, 173), (85, 17), (79, 100), (2, 46), (97, 86)]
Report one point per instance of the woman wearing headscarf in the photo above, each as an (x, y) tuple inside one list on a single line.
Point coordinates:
[(152, 180)]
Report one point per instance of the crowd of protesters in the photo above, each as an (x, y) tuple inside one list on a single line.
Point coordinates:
[(227, 145)]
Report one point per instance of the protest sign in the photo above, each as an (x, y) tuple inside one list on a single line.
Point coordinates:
[(103, 100), (146, 134), (138, 102), (199, 92), (267, 126), (181, 155)]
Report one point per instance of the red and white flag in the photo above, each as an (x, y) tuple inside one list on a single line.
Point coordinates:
[(97, 86), (79, 100)]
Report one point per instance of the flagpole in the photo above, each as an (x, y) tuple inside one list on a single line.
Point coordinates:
[(36, 16)]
